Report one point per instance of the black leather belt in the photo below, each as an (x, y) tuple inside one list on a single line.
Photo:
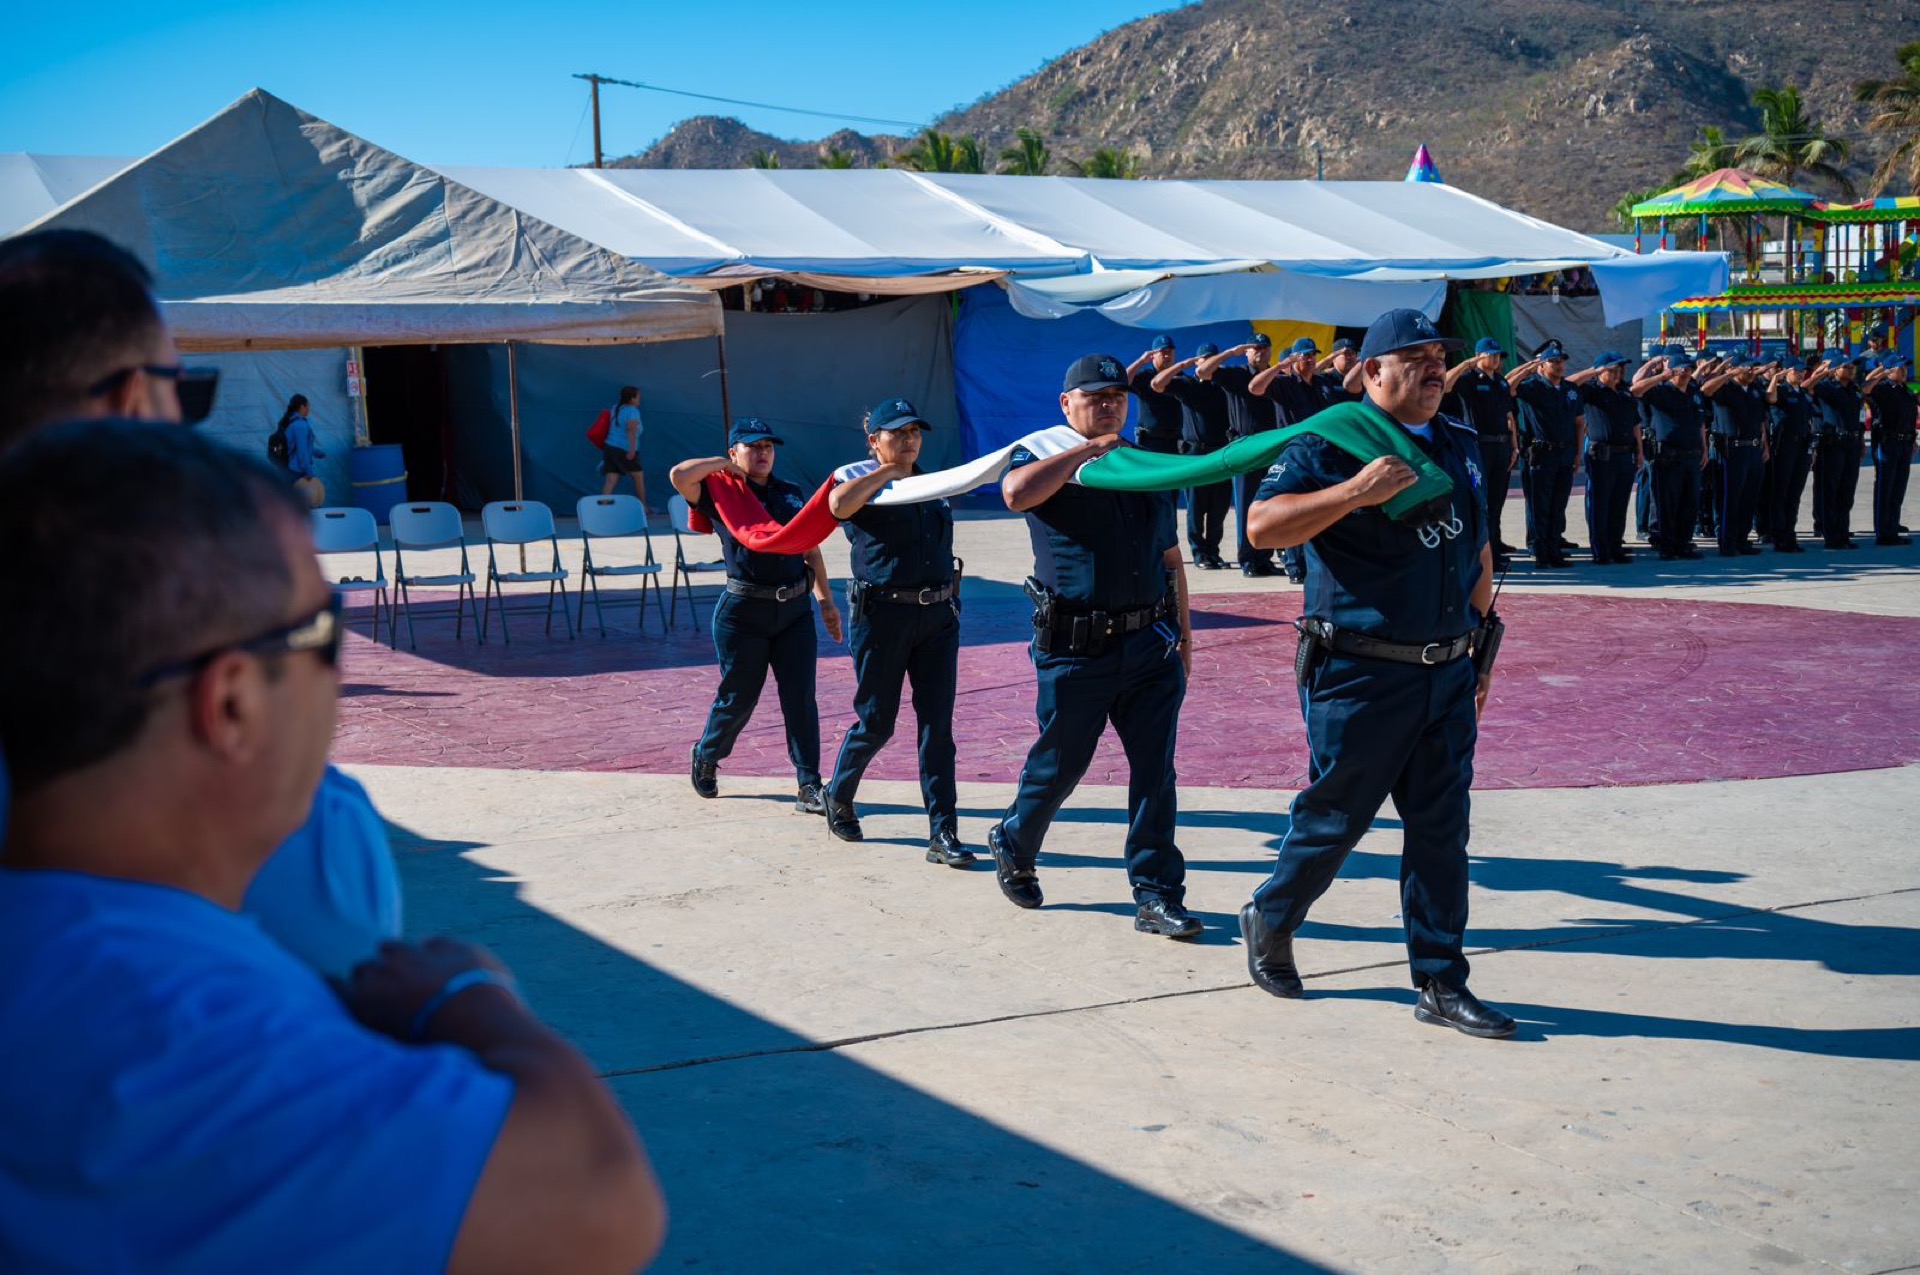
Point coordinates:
[(1606, 451), (1102, 625), (1741, 442), (767, 592), (1347, 642), (1891, 439), (907, 597)]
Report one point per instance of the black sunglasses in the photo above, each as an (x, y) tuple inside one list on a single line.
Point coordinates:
[(194, 386), (320, 633)]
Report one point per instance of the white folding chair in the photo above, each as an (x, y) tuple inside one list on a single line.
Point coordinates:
[(428, 525), (342, 530), (521, 522), (680, 514), (608, 518)]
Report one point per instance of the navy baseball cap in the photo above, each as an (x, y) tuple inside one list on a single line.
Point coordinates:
[(1893, 358), (751, 429), (1402, 330), (1162, 342), (1487, 345), (1551, 352), (893, 414), (1734, 358), (1343, 344), (1262, 340), (1304, 345), (1680, 358), (1095, 372), (1608, 358), (1207, 350)]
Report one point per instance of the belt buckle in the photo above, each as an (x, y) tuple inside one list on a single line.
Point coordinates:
[(925, 598), (1427, 652)]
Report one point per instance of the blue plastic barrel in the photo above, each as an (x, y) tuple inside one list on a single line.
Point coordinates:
[(379, 476)]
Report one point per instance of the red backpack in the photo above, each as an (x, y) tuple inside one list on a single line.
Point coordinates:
[(601, 427)]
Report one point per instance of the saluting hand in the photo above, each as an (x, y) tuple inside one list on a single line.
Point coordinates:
[(1381, 481)]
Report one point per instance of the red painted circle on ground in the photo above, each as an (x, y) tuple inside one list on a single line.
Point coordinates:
[(1591, 690)]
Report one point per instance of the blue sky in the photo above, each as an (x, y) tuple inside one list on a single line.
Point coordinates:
[(484, 82)]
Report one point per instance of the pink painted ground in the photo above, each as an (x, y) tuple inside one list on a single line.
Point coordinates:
[(1591, 691)]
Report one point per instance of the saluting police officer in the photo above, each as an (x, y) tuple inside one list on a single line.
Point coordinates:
[(904, 611), (1740, 432), (1677, 421), (1159, 426), (1893, 434), (1204, 426), (1837, 460), (1790, 451), (1331, 373), (1389, 690), (1613, 454), (1551, 428), (1111, 643), (1248, 412), (1296, 398), (764, 620), (1484, 401)]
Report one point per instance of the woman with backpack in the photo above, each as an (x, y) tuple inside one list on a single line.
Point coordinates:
[(297, 452), (620, 447)]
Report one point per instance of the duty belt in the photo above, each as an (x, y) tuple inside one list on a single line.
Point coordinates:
[(1060, 630), (907, 597), (1741, 442), (1347, 642), (1888, 439), (1606, 451), (767, 592)]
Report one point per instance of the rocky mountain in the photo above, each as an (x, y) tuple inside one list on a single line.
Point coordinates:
[(1555, 107)]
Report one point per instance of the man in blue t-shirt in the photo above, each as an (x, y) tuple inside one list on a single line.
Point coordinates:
[(182, 1094)]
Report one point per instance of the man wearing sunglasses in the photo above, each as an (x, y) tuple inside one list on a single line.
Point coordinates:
[(81, 337), (182, 1094)]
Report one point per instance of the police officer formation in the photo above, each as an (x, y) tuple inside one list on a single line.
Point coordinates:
[(1394, 656)]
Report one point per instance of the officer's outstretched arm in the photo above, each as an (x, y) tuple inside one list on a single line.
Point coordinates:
[(1035, 484), (1281, 522)]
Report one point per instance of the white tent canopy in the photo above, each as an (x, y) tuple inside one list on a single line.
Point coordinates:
[(270, 229)]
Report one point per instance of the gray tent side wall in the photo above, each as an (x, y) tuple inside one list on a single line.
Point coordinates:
[(810, 376)]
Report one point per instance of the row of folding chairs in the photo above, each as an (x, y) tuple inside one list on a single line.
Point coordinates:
[(510, 528)]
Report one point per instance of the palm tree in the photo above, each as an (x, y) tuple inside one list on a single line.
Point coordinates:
[(1790, 143), (1107, 162), (1028, 157), (1710, 154), (1896, 115), (763, 159), (937, 152), (834, 157), (1622, 212)]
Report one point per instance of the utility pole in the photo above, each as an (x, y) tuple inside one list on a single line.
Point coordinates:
[(1319, 160), (594, 82)]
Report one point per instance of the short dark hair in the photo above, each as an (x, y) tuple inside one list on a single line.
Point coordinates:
[(128, 544), (629, 394), (74, 307)]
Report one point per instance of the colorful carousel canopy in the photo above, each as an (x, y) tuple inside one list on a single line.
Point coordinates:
[(1423, 169), (1892, 208), (1806, 296), (1726, 192)]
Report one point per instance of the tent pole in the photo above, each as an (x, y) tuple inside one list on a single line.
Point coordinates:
[(726, 401), (513, 414)]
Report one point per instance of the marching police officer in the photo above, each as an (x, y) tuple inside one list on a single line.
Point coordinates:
[(1613, 454), (1740, 433), (1331, 374), (1837, 458), (1248, 412), (1159, 426), (1111, 642), (1551, 427), (1204, 428), (1297, 397), (1389, 686), (764, 619), (1677, 421), (1791, 453), (1483, 400), (903, 609), (1893, 434)]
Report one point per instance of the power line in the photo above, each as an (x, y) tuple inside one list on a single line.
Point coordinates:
[(761, 106)]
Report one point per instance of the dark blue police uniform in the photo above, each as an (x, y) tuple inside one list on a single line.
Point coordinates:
[(1106, 630), (1739, 432), (1247, 413), (1612, 453), (764, 621), (903, 625), (1837, 461), (1789, 460), (1894, 417), (1294, 401), (1159, 426), (1333, 389), (1486, 403), (1550, 419), (1203, 430), (1677, 424), (1383, 723)]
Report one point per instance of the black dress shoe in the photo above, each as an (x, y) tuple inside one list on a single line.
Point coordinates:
[(843, 821), (1020, 885), (1893, 540), (1567, 544), (1691, 554), (944, 847), (1256, 568), (810, 800), (1269, 956), (1460, 1009), (705, 776), (1750, 551), (1159, 916)]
